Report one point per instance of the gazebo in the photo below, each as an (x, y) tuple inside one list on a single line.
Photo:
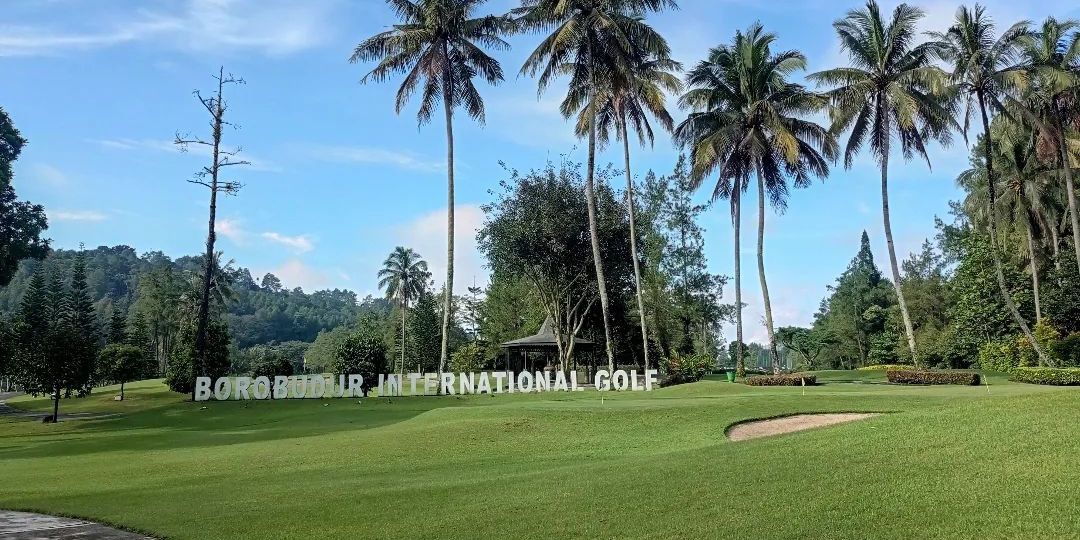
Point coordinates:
[(543, 344)]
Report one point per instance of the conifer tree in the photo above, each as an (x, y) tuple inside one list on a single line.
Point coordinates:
[(83, 328), (117, 326), (139, 336), (41, 335)]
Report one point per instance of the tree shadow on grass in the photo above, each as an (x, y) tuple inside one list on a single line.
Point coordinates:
[(199, 425)]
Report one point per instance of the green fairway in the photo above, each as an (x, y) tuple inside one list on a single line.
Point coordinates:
[(997, 462)]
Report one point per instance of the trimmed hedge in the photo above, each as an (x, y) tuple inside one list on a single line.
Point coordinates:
[(789, 379), (883, 367), (1043, 375), (912, 376)]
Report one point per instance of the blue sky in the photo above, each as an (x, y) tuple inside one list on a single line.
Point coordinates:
[(100, 87)]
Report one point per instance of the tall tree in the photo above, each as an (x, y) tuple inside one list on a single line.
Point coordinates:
[(891, 89), (625, 103), (983, 70), (747, 122), (533, 232), (21, 222), (117, 326), (1052, 54), (210, 178), (83, 343), (440, 42), (47, 350), (592, 41), (404, 276), (1026, 199), (852, 313)]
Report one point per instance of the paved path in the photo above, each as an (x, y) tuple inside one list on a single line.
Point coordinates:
[(26, 526)]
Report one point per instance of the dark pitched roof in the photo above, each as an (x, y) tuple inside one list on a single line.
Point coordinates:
[(544, 338)]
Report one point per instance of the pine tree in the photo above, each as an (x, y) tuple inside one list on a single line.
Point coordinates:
[(41, 335), (117, 326), (83, 327), (139, 336), (7, 351), (425, 336), (856, 310)]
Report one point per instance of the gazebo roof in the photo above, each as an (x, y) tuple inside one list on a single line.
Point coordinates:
[(544, 339)]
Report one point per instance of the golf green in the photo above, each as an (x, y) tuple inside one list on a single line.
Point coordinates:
[(996, 461)]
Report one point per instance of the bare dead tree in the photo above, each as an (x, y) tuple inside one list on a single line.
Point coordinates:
[(210, 178)]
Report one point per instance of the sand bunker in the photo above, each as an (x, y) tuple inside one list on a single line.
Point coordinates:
[(788, 424)]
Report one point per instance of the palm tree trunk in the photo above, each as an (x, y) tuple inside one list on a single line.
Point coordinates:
[(999, 272), (1070, 191), (1055, 244), (1034, 274), (449, 297), (633, 240), (404, 310), (908, 330), (594, 235), (736, 218), (761, 275)]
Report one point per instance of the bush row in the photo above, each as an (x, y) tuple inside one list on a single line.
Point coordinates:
[(883, 367), (1051, 376), (787, 379), (1007, 353), (912, 376)]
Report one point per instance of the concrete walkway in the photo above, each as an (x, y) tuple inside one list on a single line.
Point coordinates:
[(26, 526)]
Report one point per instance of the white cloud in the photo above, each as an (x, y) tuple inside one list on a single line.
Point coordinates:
[(380, 156), (272, 27), (299, 244), (295, 273), (77, 215), (161, 145), (47, 174), (231, 229), (427, 235)]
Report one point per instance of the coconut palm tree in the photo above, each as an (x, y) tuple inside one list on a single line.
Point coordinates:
[(589, 40), (747, 120), (1027, 198), (984, 72), (890, 91), (626, 102), (1053, 58), (404, 275), (439, 45)]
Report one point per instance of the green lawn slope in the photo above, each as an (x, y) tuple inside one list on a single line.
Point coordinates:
[(997, 461)]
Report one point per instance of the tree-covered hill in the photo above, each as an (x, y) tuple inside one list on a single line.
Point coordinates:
[(257, 312)]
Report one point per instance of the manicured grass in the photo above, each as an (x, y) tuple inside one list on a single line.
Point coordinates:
[(986, 462)]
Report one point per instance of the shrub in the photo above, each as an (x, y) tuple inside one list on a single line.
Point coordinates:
[(883, 367), (121, 364), (1001, 355), (683, 368), (912, 376), (1045, 335), (183, 367), (787, 379), (271, 365), (362, 353), (467, 359), (1051, 376), (1068, 349)]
